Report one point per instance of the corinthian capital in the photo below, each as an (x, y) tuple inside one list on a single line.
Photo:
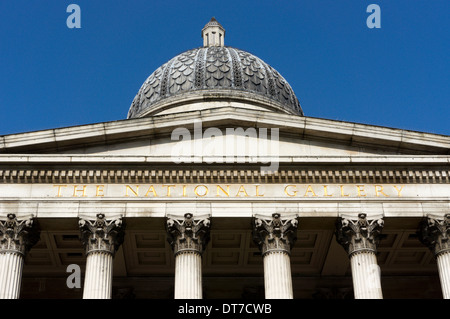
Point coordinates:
[(359, 234), (434, 233), (188, 233), (275, 234), (101, 234), (18, 235)]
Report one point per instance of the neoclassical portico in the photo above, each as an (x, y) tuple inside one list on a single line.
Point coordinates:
[(217, 185), (188, 235)]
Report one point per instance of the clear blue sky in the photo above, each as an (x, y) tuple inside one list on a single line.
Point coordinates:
[(397, 76)]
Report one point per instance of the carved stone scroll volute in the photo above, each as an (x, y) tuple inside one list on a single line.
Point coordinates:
[(434, 232), (188, 233), (18, 235), (102, 234), (275, 234), (359, 235)]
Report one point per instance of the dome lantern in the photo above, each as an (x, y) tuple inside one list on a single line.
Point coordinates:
[(213, 34)]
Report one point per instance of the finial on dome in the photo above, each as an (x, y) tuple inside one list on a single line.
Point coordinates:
[(213, 34)]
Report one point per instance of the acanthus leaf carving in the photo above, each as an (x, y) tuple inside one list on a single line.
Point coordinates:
[(434, 232), (188, 233), (102, 234), (360, 234), (275, 233), (18, 235)]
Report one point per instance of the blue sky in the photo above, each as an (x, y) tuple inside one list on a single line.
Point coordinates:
[(397, 76)]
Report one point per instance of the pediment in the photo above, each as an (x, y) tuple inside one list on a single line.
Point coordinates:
[(297, 136)]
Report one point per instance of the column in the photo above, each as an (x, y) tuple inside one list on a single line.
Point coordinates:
[(275, 237), (360, 238), (434, 233), (188, 236), (101, 238), (16, 239)]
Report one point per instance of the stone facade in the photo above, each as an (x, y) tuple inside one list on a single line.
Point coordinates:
[(331, 210)]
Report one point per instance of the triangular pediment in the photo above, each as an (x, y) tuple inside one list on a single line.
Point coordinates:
[(298, 136)]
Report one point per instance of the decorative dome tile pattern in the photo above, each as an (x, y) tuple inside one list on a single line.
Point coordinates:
[(214, 68)]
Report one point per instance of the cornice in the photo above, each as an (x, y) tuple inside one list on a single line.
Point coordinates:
[(346, 133)]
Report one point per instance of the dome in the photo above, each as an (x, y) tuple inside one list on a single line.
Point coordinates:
[(214, 71)]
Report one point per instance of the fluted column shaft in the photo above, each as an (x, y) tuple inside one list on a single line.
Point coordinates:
[(435, 233), (11, 265), (16, 239), (98, 278), (277, 276), (188, 237), (188, 276), (366, 276), (443, 262), (360, 238), (101, 238), (275, 237)]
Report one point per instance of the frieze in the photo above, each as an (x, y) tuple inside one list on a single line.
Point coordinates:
[(223, 191)]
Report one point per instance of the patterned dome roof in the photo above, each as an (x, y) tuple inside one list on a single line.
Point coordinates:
[(214, 68)]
